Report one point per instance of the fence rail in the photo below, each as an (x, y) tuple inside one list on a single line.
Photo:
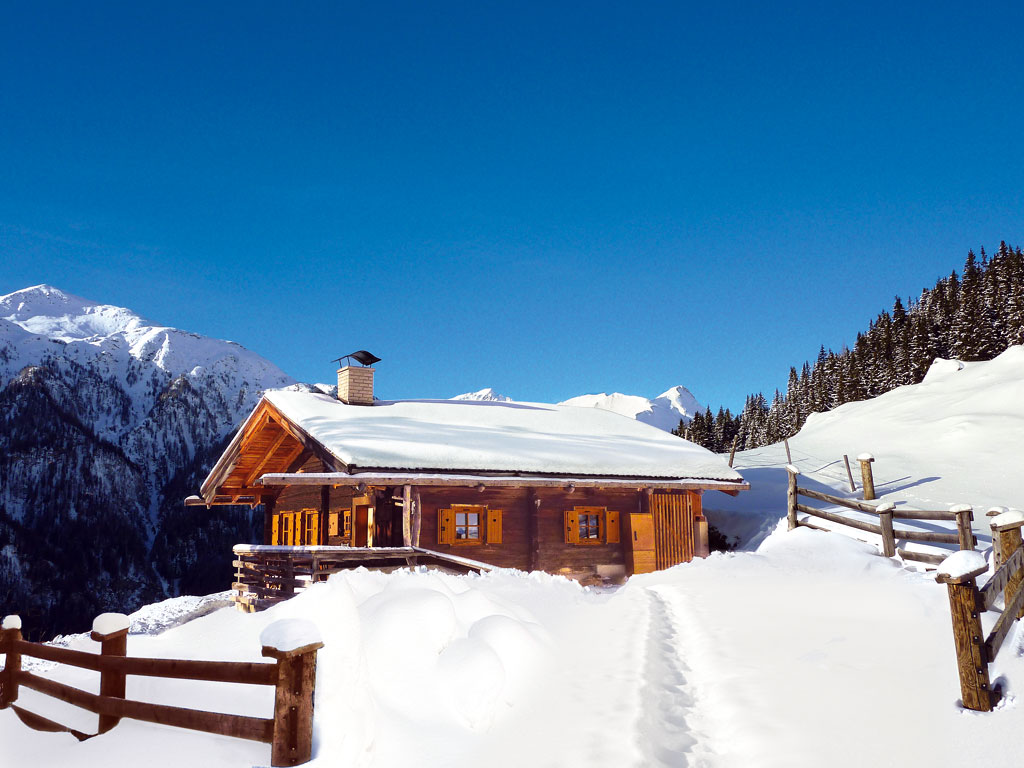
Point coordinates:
[(292, 674), (962, 515)]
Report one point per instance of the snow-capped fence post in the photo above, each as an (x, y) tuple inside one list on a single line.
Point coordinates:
[(997, 557), (10, 633), (964, 519), (791, 496), (1006, 529), (958, 573), (867, 480), (110, 630), (293, 643)]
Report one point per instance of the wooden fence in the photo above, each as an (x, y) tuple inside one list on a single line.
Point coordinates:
[(292, 674), (267, 574), (962, 516), (974, 650)]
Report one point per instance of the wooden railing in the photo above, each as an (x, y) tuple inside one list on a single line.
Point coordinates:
[(974, 650), (267, 574), (961, 515), (292, 674)]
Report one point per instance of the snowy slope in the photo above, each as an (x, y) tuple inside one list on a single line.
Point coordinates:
[(955, 438), (664, 411)]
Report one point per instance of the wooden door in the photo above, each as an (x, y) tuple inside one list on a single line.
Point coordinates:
[(362, 526), (673, 527), (640, 545)]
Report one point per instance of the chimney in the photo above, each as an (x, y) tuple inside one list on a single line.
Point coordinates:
[(355, 385)]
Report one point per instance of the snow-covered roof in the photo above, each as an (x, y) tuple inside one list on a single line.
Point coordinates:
[(461, 435)]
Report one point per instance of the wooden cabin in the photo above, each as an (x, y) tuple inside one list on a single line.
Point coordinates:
[(578, 491)]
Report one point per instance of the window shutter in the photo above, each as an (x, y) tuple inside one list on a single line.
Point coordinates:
[(314, 529), (572, 527), (275, 529), (494, 526), (332, 523), (445, 526), (612, 533)]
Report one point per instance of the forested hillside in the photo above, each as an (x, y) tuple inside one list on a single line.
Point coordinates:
[(971, 316)]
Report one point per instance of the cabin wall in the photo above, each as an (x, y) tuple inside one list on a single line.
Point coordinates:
[(533, 534)]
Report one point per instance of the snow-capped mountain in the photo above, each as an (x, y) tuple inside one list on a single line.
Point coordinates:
[(487, 394), (105, 420), (664, 411)]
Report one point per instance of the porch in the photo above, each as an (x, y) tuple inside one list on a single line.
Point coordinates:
[(268, 574)]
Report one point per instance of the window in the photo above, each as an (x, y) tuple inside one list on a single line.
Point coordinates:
[(468, 524), (591, 525)]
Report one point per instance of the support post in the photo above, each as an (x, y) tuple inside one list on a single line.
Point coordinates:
[(791, 496), (867, 480), (732, 453), (1009, 536), (964, 518), (971, 658), (702, 544), (417, 518), (406, 515), (110, 630), (885, 520), (849, 474), (10, 633), (293, 704), (789, 456)]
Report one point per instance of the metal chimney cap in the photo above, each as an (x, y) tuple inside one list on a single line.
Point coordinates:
[(360, 356)]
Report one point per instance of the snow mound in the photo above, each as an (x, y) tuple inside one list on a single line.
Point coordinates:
[(287, 635), (109, 623), (963, 563)]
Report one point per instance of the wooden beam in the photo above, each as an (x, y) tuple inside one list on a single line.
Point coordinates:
[(251, 477)]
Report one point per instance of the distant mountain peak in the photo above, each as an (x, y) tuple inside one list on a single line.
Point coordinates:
[(486, 394)]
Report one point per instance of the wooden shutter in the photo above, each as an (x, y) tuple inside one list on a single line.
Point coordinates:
[(572, 527), (494, 526), (275, 529), (445, 526), (332, 523), (313, 528), (612, 527)]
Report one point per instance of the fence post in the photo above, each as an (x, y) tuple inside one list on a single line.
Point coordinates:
[(971, 658), (732, 453), (110, 630), (997, 555), (791, 496), (867, 480), (964, 517), (1008, 530), (849, 474), (10, 632), (293, 643), (885, 520)]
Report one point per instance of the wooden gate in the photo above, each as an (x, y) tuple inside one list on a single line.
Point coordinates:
[(673, 527)]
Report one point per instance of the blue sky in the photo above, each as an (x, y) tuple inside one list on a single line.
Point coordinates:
[(550, 198)]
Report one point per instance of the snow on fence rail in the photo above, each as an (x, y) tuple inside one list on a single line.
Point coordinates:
[(962, 515), (974, 650), (292, 673)]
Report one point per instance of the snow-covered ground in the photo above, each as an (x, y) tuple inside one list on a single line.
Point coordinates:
[(807, 649)]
